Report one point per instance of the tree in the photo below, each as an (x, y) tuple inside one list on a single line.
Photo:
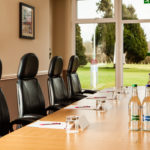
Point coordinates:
[(105, 33), (105, 6), (105, 36), (80, 49), (135, 44)]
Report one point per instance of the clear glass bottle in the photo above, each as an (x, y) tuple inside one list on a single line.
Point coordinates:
[(146, 110), (149, 79), (134, 110)]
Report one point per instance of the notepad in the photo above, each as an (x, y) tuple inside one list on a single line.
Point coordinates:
[(101, 96), (48, 124), (86, 107), (97, 97)]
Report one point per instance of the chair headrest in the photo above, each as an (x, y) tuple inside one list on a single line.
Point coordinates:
[(55, 67), (28, 66), (73, 64), (0, 68)]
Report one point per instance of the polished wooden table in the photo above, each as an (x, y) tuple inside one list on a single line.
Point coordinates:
[(106, 131)]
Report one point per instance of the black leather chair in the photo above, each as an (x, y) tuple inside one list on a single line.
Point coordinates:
[(74, 86), (31, 102), (58, 94), (5, 125)]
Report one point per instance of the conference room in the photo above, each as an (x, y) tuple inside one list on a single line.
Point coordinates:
[(74, 74)]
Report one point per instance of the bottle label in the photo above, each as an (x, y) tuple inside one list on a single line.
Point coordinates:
[(146, 116), (135, 116)]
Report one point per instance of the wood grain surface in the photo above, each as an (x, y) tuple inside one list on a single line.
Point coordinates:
[(106, 131)]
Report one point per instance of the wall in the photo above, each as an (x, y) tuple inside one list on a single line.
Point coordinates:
[(11, 46), (62, 30), (53, 31)]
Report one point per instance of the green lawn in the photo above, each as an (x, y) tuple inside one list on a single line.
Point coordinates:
[(133, 73)]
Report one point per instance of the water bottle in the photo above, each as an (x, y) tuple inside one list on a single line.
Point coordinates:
[(146, 110), (134, 110)]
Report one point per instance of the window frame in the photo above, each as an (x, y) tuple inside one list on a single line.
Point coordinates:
[(119, 23)]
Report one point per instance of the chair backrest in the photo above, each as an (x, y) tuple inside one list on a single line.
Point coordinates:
[(30, 96), (74, 86), (56, 86), (4, 113)]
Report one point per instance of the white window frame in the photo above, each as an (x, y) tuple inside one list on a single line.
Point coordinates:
[(119, 22)]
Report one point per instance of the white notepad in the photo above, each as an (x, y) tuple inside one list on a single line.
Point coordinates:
[(48, 124), (107, 106), (83, 107)]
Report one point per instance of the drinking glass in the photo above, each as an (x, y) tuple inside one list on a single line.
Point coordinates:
[(117, 96), (72, 124), (126, 89), (122, 90), (100, 105)]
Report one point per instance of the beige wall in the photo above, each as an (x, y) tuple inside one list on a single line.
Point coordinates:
[(53, 29), (12, 47), (62, 29)]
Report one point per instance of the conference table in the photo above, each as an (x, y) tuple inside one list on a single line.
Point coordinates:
[(106, 131)]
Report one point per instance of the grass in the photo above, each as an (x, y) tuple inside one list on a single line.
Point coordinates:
[(133, 73)]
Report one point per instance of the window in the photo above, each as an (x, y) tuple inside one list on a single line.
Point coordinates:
[(103, 51), (135, 9), (136, 47), (88, 9), (131, 31)]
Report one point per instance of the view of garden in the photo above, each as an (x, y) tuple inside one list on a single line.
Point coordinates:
[(136, 46), (133, 73)]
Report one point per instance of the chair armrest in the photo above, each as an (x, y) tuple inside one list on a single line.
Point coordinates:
[(78, 97), (20, 121), (52, 108), (89, 91)]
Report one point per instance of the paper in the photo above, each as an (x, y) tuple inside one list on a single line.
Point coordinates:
[(48, 124), (84, 107), (106, 91), (105, 96), (106, 107), (97, 97)]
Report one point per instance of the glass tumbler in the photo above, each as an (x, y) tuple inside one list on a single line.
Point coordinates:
[(99, 105), (72, 124)]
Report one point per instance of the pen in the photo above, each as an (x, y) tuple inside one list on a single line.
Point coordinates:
[(82, 107), (50, 124), (96, 97), (101, 97), (106, 91)]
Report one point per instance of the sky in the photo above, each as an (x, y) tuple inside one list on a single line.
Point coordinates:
[(87, 9)]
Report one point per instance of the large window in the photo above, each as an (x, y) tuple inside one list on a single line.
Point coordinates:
[(136, 41), (116, 34), (93, 42), (136, 48), (102, 51)]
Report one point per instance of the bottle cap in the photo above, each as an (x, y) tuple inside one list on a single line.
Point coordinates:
[(134, 85), (148, 85)]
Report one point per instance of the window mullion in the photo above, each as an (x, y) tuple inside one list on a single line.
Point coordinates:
[(119, 44), (87, 21), (136, 21)]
